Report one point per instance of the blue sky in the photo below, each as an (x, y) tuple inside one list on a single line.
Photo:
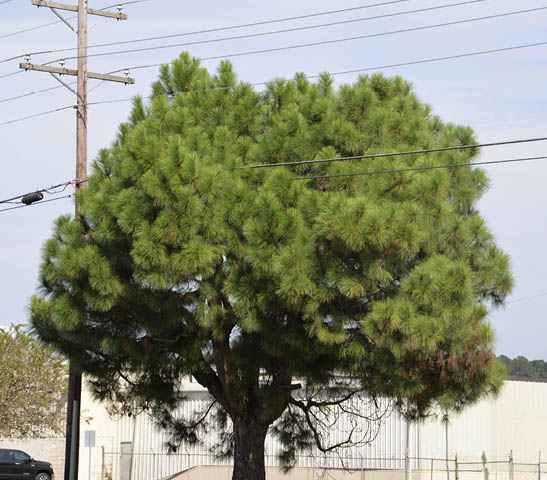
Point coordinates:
[(502, 96)]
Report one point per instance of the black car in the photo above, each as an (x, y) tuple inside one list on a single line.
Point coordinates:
[(17, 465)]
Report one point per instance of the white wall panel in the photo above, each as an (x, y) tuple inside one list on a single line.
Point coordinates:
[(517, 420)]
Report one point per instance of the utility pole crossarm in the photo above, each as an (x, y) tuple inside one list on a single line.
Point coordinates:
[(104, 13), (69, 71), (74, 8)]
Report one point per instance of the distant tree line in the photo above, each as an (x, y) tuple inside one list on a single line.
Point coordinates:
[(522, 368)]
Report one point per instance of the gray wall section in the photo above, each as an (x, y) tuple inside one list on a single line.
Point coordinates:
[(50, 450)]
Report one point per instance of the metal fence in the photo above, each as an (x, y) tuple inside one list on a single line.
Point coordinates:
[(126, 465)]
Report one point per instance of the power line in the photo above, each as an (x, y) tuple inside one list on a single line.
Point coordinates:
[(48, 190), (413, 169), (37, 203), (254, 24), (310, 44), (34, 28), (125, 3), (372, 172), (528, 298), (36, 115), (394, 154), (5, 1), (287, 30), (11, 74), (230, 27), (23, 95), (309, 77), (381, 67)]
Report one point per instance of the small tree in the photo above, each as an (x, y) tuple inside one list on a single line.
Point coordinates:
[(32, 385), (283, 297)]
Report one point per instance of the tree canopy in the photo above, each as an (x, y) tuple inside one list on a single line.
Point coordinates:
[(32, 386), (272, 284), (522, 368)]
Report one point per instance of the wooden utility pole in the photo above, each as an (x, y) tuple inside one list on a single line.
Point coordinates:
[(72, 447), (81, 109)]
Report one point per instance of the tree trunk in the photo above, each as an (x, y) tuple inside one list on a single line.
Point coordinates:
[(249, 437)]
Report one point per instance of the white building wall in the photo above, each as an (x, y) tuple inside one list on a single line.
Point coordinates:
[(517, 420), (469, 434), (94, 417)]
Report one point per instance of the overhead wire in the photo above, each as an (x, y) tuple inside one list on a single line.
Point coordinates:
[(344, 72), (259, 34), (36, 203), (11, 74), (527, 298), (20, 119), (395, 154), (125, 3), (353, 174), (222, 28), (236, 26), (34, 28), (414, 169), (309, 77), (309, 44), (23, 95), (48, 190)]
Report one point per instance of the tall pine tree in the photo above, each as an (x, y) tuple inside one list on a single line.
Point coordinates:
[(281, 296)]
